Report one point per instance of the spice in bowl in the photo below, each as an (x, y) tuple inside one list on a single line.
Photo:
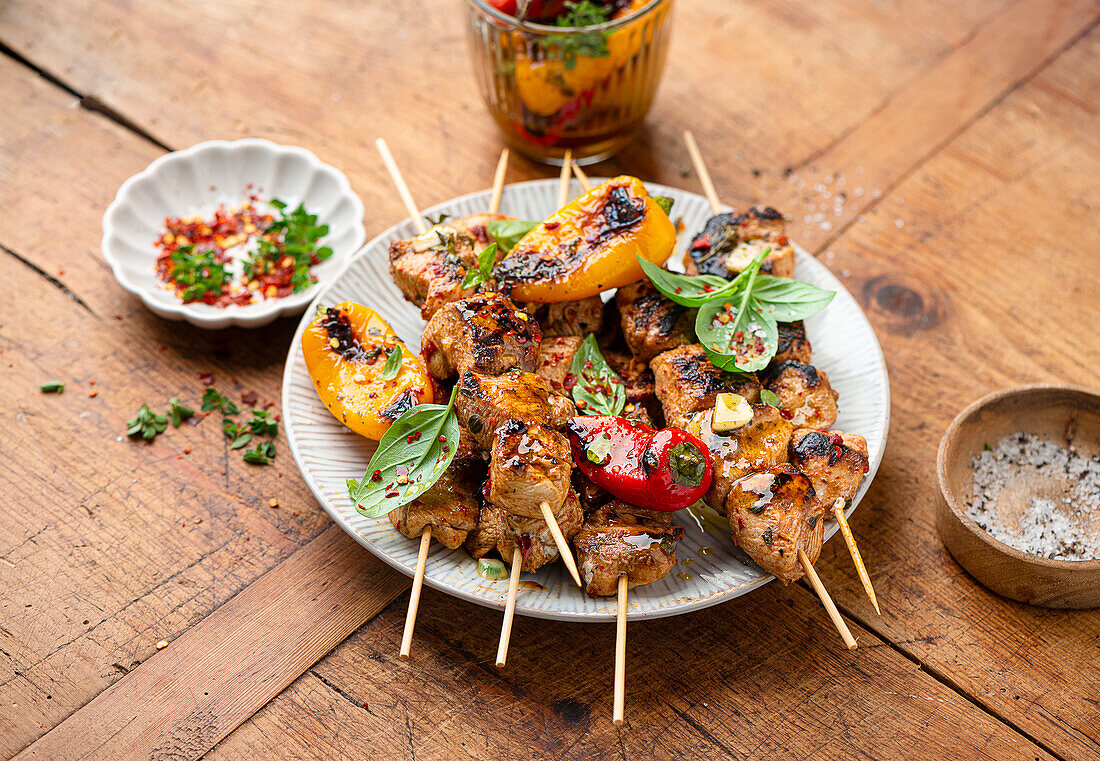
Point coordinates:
[(241, 255), (1038, 496)]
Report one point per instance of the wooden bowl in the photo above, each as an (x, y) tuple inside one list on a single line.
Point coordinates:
[(1061, 413)]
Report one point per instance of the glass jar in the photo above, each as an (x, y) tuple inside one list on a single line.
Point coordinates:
[(550, 88)]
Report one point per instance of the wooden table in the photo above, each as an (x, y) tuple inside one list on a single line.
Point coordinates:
[(966, 139)]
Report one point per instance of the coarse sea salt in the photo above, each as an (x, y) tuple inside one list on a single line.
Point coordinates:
[(1060, 493)]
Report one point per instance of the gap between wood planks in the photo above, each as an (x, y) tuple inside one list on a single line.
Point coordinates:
[(248, 650)]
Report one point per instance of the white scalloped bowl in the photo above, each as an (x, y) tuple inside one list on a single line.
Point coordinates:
[(196, 181)]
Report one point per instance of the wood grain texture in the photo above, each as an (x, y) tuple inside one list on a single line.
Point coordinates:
[(192, 694), (112, 538)]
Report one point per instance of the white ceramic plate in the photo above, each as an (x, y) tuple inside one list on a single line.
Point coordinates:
[(194, 182), (327, 453)]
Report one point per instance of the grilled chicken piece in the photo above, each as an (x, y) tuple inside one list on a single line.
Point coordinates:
[(451, 506), (636, 375), (572, 318), (529, 464), (805, 396), (771, 515), (687, 382), (485, 332), (429, 268), (555, 359), (793, 346), (590, 495), (761, 443), (500, 530), (619, 538), (637, 413), (474, 226), (651, 323), (729, 242), (486, 402), (834, 462)]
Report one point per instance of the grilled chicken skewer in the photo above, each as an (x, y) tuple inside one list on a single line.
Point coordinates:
[(726, 245), (442, 507)]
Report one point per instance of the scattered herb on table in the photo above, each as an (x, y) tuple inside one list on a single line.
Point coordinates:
[(598, 390), (177, 412), (410, 458), (262, 454), (213, 401), (262, 424), (147, 424), (52, 387), (486, 260)]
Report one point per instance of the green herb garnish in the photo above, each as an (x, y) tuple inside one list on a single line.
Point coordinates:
[(177, 412), (685, 290), (598, 389), (508, 232), (261, 424), (665, 203), (410, 458), (147, 423), (486, 260), (769, 397), (198, 272), (52, 387), (568, 47), (294, 234), (263, 454), (393, 363), (213, 401)]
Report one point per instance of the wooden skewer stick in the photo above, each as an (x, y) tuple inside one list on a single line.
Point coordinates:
[(701, 170), (582, 178), (827, 601), (620, 654), (402, 188), (510, 605), (850, 540), (563, 178), (414, 596), (564, 549), (498, 182)]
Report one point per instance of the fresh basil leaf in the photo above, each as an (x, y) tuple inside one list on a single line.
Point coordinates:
[(787, 300), (508, 232), (769, 397), (260, 455), (685, 290), (393, 364), (486, 260), (665, 203), (241, 440), (746, 342), (410, 458), (598, 389)]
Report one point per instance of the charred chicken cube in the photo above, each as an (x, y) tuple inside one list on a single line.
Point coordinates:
[(651, 323), (793, 346), (502, 531), (622, 539), (834, 462), (772, 515), (636, 375), (729, 242), (485, 333), (429, 268), (485, 402), (451, 506), (637, 413), (687, 382), (759, 444), (529, 464), (555, 360), (572, 318), (590, 495), (805, 396)]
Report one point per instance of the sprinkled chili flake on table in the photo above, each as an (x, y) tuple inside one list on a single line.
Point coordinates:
[(276, 252)]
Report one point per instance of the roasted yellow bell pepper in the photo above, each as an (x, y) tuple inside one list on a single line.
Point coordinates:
[(547, 83), (589, 246), (347, 348)]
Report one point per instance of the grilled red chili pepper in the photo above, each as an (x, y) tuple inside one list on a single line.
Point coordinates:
[(661, 470)]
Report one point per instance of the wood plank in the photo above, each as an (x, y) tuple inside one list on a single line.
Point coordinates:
[(762, 677), (189, 696)]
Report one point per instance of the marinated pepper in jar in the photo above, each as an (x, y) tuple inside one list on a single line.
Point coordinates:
[(663, 470)]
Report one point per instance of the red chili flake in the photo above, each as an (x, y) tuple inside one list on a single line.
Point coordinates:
[(390, 494), (61, 273), (739, 335), (206, 379), (569, 381), (551, 225), (446, 449), (187, 450), (588, 364), (414, 436), (92, 393), (117, 317), (679, 288), (250, 398), (376, 475), (781, 240), (787, 414), (442, 438), (701, 243)]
